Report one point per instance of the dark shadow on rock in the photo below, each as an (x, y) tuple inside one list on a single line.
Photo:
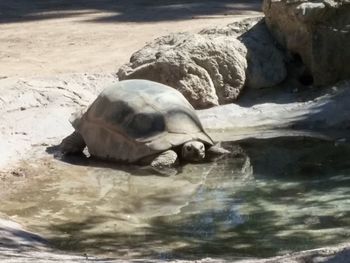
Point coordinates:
[(266, 61), (296, 86), (289, 91), (122, 11)]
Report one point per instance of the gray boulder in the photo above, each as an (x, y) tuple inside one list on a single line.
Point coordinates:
[(207, 70), (265, 61), (317, 32), (213, 66)]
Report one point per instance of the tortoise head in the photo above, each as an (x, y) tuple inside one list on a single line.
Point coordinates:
[(193, 151)]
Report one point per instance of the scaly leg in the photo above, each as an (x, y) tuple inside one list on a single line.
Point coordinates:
[(73, 143)]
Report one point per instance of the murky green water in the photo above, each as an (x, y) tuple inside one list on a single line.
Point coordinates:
[(279, 195)]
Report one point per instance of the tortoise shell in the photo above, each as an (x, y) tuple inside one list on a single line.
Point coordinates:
[(138, 118)]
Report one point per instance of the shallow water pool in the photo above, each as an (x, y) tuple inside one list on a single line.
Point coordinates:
[(271, 197)]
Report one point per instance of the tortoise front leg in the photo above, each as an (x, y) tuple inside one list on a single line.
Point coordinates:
[(165, 163), (167, 159), (73, 143)]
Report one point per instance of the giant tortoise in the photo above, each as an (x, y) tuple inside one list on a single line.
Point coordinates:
[(140, 121)]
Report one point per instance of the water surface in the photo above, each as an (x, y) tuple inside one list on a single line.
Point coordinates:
[(276, 196)]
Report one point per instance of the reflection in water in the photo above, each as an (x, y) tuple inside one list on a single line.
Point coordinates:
[(282, 195)]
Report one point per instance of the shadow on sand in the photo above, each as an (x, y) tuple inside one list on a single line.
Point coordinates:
[(122, 11)]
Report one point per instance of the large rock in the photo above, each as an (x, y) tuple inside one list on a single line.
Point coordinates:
[(208, 70), (213, 66), (266, 62), (318, 32)]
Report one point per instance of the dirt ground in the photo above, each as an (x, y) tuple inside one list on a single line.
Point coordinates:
[(41, 38)]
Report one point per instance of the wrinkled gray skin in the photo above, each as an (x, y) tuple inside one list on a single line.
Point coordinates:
[(140, 121), (193, 151)]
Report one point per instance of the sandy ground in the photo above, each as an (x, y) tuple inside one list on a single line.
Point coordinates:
[(41, 38)]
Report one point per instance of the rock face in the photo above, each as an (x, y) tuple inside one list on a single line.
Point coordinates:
[(265, 62), (318, 32), (213, 66)]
